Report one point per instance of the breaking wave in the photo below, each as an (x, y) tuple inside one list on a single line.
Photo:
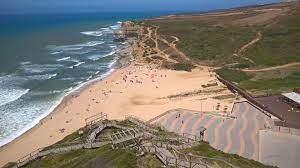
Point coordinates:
[(63, 59)]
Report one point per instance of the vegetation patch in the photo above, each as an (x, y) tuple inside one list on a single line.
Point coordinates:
[(203, 42), (279, 44), (216, 40), (182, 67), (149, 161), (204, 149), (263, 82), (104, 156), (233, 75), (223, 97), (150, 43), (278, 84)]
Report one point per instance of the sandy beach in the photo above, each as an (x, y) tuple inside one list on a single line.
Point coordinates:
[(139, 90)]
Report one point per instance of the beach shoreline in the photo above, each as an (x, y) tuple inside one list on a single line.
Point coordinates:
[(123, 60), (133, 88)]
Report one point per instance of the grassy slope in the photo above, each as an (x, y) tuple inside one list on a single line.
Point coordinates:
[(205, 149), (215, 45), (105, 156), (127, 158), (206, 42), (280, 43), (202, 42), (261, 82)]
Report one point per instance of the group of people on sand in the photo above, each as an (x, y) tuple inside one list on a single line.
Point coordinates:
[(152, 73)]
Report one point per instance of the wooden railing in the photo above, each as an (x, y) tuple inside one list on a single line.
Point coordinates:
[(169, 159), (95, 118), (179, 159), (141, 123), (40, 152), (204, 159)]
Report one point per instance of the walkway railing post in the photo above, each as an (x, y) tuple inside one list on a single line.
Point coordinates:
[(167, 163), (190, 157)]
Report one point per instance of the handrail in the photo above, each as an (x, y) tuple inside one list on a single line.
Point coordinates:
[(249, 97), (172, 160), (193, 111), (147, 127), (159, 116), (205, 157), (40, 153), (95, 118), (140, 123), (192, 157)]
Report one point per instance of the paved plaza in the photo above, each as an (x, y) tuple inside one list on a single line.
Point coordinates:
[(232, 135), (280, 149)]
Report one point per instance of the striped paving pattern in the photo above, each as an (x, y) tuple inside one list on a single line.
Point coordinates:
[(237, 136)]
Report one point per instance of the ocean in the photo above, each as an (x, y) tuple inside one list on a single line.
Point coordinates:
[(45, 57)]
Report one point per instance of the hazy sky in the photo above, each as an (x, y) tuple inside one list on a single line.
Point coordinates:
[(65, 6)]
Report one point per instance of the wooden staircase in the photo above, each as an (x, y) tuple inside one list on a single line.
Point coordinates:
[(124, 136)]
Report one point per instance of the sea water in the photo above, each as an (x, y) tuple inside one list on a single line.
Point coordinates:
[(44, 57)]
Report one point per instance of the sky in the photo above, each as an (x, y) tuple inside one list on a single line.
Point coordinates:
[(77, 6)]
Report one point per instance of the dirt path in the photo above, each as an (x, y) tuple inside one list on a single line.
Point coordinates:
[(152, 34), (249, 44), (255, 40), (173, 46), (273, 68)]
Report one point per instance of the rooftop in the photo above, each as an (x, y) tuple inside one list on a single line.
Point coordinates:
[(292, 96)]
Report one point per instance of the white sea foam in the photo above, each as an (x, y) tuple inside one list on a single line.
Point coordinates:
[(79, 63), (67, 79), (69, 89), (52, 76), (93, 43), (25, 63), (56, 52), (111, 64), (105, 29), (40, 68), (9, 95), (79, 52), (74, 47), (92, 33), (28, 125), (96, 57), (63, 59), (38, 77), (45, 108), (90, 77), (116, 26), (55, 104), (10, 88)]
